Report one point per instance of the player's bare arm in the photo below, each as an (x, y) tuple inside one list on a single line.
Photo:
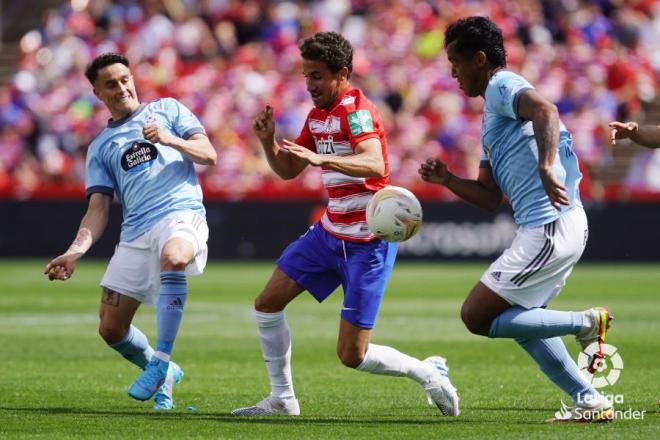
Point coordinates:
[(366, 162), (285, 165), (91, 227), (545, 120), (483, 192), (646, 135), (197, 148)]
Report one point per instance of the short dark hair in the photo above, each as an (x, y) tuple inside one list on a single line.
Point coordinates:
[(101, 61), (473, 34), (331, 48)]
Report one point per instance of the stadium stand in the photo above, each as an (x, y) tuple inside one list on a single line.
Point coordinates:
[(598, 60)]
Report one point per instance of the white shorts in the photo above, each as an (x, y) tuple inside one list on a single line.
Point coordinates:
[(535, 267), (134, 269)]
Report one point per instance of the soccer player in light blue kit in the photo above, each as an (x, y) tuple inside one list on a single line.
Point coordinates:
[(145, 156), (527, 156)]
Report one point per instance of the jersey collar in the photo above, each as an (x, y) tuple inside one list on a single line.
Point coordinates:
[(128, 117)]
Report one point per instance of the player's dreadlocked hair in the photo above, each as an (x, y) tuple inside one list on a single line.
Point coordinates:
[(475, 34), (101, 61), (331, 48)]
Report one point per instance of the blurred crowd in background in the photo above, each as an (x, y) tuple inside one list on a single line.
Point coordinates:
[(597, 60)]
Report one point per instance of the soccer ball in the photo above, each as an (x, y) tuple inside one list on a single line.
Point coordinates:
[(394, 214)]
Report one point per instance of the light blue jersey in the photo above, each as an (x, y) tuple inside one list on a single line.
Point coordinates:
[(151, 181), (510, 150)]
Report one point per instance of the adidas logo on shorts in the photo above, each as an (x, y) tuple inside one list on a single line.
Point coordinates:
[(496, 275)]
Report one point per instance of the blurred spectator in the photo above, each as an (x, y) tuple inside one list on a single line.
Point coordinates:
[(225, 59)]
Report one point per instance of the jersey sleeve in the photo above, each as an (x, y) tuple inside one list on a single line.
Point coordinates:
[(361, 125), (305, 137), (184, 122), (98, 178), (502, 95)]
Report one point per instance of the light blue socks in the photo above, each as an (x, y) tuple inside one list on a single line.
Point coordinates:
[(135, 347), (555, 362), (537, 331), (169, 311), (518, 322)]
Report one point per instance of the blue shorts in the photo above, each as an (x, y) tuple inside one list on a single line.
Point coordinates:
[(320, 262)]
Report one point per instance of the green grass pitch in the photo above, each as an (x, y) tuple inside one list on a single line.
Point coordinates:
[(59, 380)]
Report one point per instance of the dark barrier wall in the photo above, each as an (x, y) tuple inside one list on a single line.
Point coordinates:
[(261, 230)]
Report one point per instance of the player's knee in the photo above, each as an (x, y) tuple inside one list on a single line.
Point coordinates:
[(473, 320), (172, 261), (265, 305), (112, 333), (350, 358)]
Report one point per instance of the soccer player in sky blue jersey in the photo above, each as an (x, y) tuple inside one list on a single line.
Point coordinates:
[(527, 156), (145, 156)]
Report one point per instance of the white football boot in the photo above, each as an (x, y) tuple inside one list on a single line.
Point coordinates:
[(271, 406), (439, 389)]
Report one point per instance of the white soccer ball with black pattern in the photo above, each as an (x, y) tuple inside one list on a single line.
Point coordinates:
[(394, 214)]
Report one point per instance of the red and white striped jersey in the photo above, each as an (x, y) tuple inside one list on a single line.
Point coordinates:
[(351, 119)]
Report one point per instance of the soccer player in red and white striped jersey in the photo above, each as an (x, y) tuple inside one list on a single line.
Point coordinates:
[(344, 136)]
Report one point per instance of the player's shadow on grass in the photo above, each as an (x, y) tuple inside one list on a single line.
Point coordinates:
[(278, 420)]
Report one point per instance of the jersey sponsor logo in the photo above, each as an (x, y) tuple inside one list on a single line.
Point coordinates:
[(360, 122), (330, 125), (347, 100), (325, 146), (139, 157)]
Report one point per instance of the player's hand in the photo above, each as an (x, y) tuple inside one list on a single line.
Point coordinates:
[(263, 125), (556, 192), (622, 130), (434, 171), (156, 134), (62, 267), (303, 153)]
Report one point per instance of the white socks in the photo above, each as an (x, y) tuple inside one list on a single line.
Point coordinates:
[(276, 347), (380, 359)]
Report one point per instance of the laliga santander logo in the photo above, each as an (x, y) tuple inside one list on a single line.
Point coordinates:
[(564, 412), (607, 371), (609, 367)]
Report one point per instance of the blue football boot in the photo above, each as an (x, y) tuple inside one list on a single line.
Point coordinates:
[(163, 398), (152, 378)]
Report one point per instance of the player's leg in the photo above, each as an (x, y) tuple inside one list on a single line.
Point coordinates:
[(275, 340), (556, 363), (124, 289), (179, 242), (507, 301), (366, 270), (485, 313), (116, 314), (506, 304), (175, 256), (355, 351), (304, 265)]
